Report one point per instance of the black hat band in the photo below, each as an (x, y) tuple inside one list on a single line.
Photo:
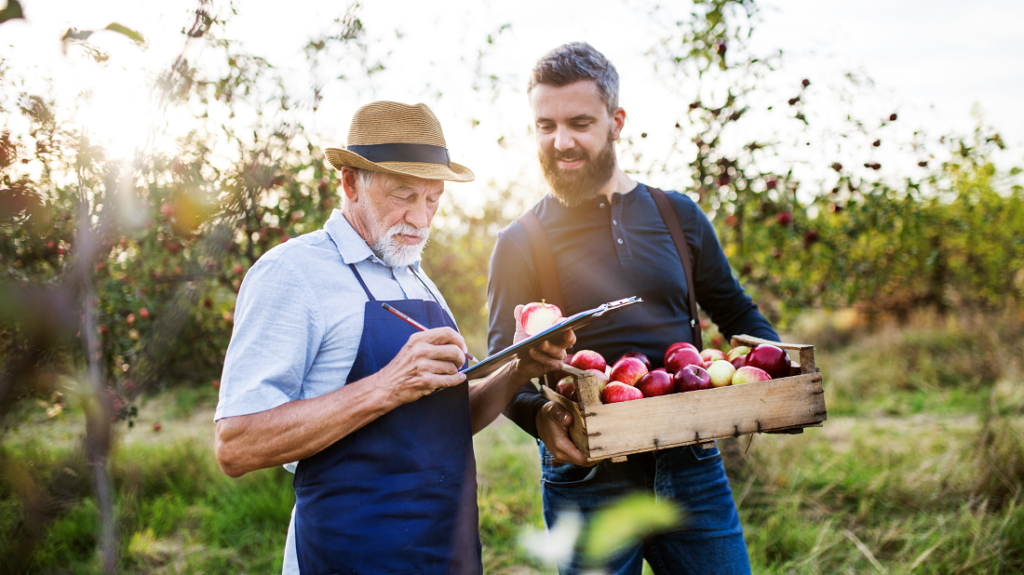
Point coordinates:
[(422, 153)]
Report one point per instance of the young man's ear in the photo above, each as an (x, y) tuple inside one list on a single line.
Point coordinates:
[(618, 121)]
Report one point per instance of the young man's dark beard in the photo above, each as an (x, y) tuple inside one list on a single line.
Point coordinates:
[(573, 187)]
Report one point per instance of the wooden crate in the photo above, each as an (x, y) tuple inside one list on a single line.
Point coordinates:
[(616, 430)]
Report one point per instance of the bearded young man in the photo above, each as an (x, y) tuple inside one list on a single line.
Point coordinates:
[(375, 413), (609, 240)]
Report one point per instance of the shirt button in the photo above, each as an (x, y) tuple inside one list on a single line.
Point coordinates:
[(620, 240), (615, 222), (602, 204)]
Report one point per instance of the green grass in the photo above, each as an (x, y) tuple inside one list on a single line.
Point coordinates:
[(919, 469)]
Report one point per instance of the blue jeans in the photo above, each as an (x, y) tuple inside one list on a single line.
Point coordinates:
[(709, 542)]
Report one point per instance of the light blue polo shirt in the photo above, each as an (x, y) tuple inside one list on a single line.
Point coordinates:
[(299, 321)]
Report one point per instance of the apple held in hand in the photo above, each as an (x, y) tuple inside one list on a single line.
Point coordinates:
[(587, 359), (628, 370), (638, 355), (616, 392), (721, 373), (691, 378), (748, 374), (683, 357), (655, 383), (711, 354), (537, 317), (769, 358), (675, 346)]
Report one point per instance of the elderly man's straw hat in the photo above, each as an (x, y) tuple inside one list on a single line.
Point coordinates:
[(400, 139)]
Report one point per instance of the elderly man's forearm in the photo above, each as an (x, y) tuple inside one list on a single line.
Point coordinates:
[(296, 430)]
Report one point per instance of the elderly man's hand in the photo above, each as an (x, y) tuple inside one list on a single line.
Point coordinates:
[(543, 359), (429, 361)]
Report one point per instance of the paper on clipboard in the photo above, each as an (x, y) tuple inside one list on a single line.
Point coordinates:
[(576, 321)]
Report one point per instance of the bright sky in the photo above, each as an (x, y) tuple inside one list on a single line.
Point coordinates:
[(933, 61)]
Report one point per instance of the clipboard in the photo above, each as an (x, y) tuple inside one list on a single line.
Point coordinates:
[(581, 319)]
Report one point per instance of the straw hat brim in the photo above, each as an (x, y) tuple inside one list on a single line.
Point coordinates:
[(457, 173)]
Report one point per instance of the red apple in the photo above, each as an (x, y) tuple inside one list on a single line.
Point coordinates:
[(144, 313), (769, 358), (691, 378), (683, 357), (672, 349), (638, 355), (712, 354), (721, 373), (655, 383), (737, 356), (600, 376), (537, 317), (660, 369), (748, 374), (567, 388), (587, 359), (616, 392), (628, 370)]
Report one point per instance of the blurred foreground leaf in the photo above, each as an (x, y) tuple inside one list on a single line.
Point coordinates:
[(11, 12), (626, 522)]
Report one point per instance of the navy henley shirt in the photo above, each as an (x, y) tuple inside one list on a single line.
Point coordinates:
[(605, 251)]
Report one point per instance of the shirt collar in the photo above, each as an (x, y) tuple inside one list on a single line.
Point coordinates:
[(350, 244)]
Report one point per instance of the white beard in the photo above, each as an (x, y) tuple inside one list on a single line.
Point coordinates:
[(397, 254)]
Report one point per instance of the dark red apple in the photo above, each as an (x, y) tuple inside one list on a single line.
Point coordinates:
[(538, 316), (638, 355), (628, 370), (769, 358), (616, 392), (683, 357), (749, 374), (691, 378), (672, 349), (655, 383), (587, 359), (567, 388)]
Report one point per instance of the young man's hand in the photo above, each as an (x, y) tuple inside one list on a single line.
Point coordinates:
[(553, 423)]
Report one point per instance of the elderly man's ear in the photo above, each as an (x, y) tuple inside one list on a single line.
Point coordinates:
[(348, 183)]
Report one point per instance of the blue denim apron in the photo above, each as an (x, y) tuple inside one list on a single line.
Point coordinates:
[(399, 494)]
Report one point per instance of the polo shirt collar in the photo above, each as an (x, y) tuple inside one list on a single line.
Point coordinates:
[(350, 244)]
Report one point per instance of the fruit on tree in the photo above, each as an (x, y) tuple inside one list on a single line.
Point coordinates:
[(681, 358), (691, 378), (770, 358), (628, 370), (536, 317), (588, 359), (748, 374), (616, 392), (721, 373), (655, 383)]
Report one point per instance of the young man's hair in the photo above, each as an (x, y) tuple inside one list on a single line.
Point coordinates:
[(577, 61)]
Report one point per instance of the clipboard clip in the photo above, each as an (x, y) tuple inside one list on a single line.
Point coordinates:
[(606, 307)]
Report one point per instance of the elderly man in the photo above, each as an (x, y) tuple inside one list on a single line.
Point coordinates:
[(375, 412), (611, 237)]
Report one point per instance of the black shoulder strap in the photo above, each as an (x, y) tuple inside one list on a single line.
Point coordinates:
[(675, 229), (547, 273)]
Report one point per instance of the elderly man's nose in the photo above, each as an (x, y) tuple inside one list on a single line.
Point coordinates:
[(418, 216)]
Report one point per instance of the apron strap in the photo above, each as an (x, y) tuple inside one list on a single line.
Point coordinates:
[(361, 282), (675, 229)]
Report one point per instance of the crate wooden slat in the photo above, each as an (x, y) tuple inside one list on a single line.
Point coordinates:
[(616, 430)]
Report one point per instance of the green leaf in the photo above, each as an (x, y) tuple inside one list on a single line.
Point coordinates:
[(626, 522), (11, 12), (132, 34)]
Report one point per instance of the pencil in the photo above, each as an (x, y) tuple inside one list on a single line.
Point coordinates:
[(415, 324)]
